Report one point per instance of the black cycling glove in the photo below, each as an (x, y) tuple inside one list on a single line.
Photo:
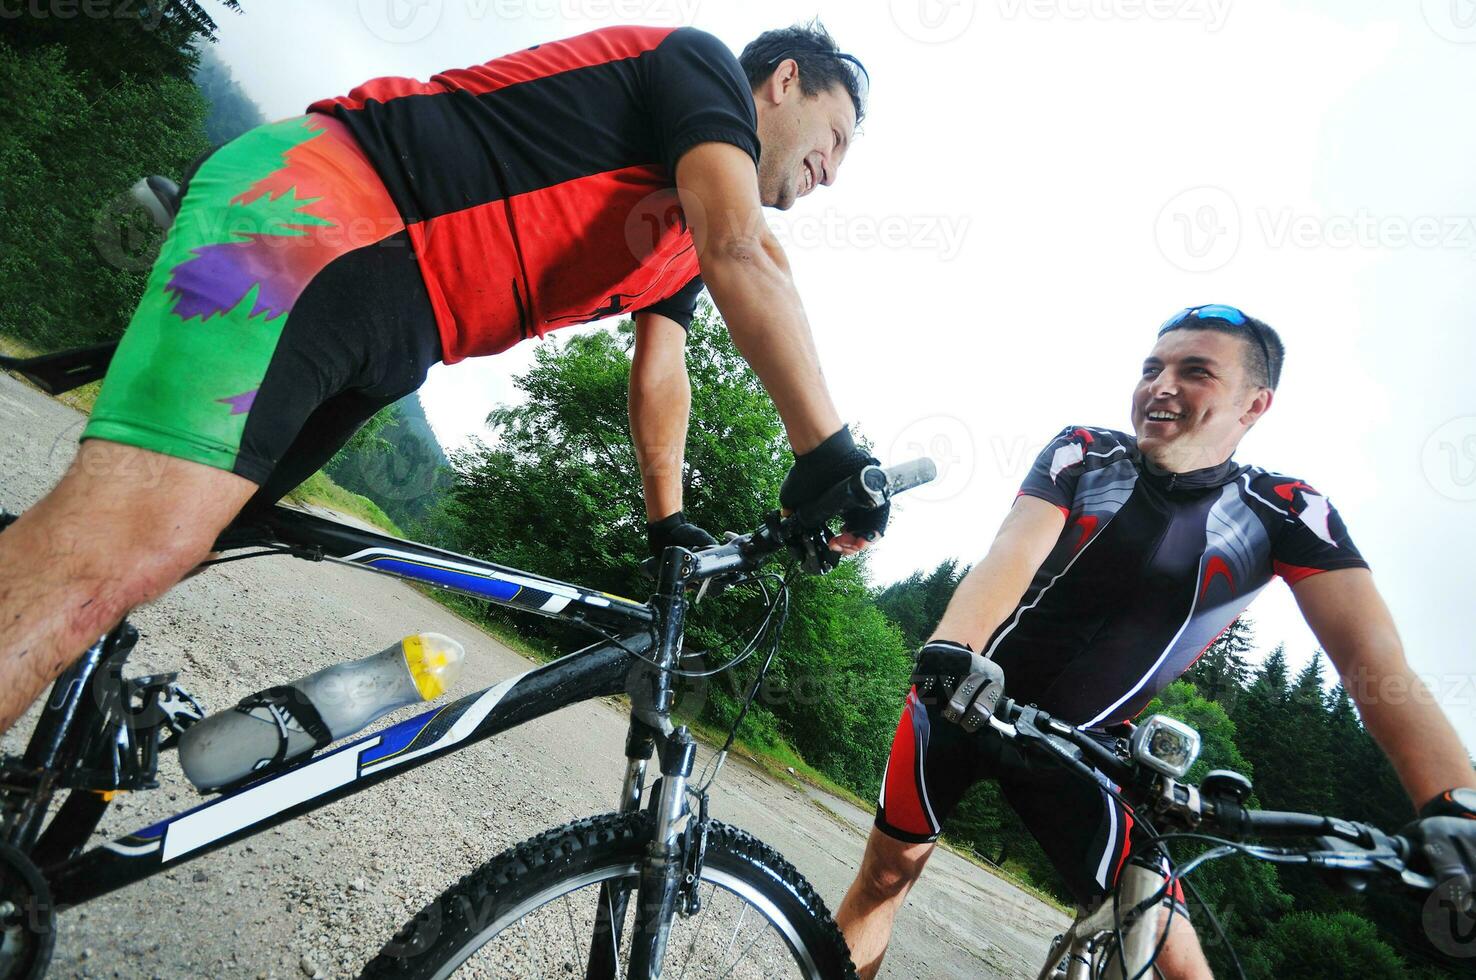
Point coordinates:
[(1446, 836), (676, 530), (964, 684), (823, 467)]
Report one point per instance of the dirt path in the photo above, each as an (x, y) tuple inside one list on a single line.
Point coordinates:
[(322, 893)]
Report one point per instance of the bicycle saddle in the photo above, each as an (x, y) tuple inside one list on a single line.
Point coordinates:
[(159, 196)]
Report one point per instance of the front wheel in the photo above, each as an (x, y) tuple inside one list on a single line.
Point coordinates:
[(532, 912)]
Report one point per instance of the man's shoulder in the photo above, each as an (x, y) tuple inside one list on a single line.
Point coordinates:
[(1080, 449), (1097, 442), (1282, 486), (1290, 495)]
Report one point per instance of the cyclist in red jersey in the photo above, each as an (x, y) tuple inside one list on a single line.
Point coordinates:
[(318, 266), (1122, 559)]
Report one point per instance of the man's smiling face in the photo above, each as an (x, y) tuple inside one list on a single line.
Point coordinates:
[(1195, 399), (804, 138)]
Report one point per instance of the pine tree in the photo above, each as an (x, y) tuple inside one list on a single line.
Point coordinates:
[(1222, 672)]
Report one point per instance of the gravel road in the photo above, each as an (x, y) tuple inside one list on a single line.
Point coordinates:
[(320, 895)]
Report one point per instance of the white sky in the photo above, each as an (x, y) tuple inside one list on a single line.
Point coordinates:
[(1039, 184)]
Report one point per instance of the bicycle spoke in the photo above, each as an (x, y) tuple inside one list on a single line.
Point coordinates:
[(741, 917), (730, 938), (573, 933), (697, 931)]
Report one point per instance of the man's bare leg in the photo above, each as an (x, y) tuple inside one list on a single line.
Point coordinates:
[(122, 527), (1182, 957), (888, 871)]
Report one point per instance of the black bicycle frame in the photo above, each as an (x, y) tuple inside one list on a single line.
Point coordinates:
[(74, 739)]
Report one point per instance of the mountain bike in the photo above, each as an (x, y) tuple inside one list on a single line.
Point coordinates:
[(1124, 935), (656, 884)]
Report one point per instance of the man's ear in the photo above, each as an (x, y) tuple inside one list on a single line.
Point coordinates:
[(785, 77), (1258, 407)]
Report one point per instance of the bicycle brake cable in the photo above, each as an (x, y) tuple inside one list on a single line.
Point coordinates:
[(306, 553), (747, 651), (716, 762)]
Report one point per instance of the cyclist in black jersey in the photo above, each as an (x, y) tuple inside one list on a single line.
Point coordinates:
[(1122, 559)]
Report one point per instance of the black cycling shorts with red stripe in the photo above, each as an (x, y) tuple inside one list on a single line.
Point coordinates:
[(1082, 829)]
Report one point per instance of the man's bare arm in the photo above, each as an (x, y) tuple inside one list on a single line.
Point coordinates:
[(993, 587), (746, 272), (1348, 615), (660, 404)]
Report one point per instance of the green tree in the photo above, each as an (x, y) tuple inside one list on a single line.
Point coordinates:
[(559, 493), (232, 111), (1309, 946), (1244, 895), (1222, 672), (917, 602), (74, 253)]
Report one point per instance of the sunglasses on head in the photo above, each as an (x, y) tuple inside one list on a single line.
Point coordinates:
[(1226, 314)]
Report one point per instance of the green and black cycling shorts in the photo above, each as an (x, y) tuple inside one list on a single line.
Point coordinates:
[(286, 307)]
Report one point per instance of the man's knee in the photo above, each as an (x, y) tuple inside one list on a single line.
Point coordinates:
[(890, 867), (124, 525)]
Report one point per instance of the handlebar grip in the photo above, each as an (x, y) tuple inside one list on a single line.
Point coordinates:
[(914, 473), (868, 489)]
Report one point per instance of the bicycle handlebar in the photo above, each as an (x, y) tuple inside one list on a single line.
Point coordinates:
[(1344, 847), (870, 488)]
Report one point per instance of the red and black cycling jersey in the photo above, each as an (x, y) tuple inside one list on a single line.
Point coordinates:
[(538, 188), (1150, 568)]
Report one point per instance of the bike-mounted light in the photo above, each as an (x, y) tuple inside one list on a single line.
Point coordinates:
[(1165, 745)]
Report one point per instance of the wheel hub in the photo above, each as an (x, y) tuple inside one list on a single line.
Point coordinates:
[(27, 918)]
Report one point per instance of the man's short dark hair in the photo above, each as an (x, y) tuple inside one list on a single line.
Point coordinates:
[(822, 65), (1264, 351)]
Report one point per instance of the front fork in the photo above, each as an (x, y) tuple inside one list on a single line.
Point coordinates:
[(663, 870), (1085, 941)]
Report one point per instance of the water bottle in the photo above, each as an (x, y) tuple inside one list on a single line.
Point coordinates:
[(271, 728)]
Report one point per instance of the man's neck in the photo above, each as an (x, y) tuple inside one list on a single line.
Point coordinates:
[(1189, 459)]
